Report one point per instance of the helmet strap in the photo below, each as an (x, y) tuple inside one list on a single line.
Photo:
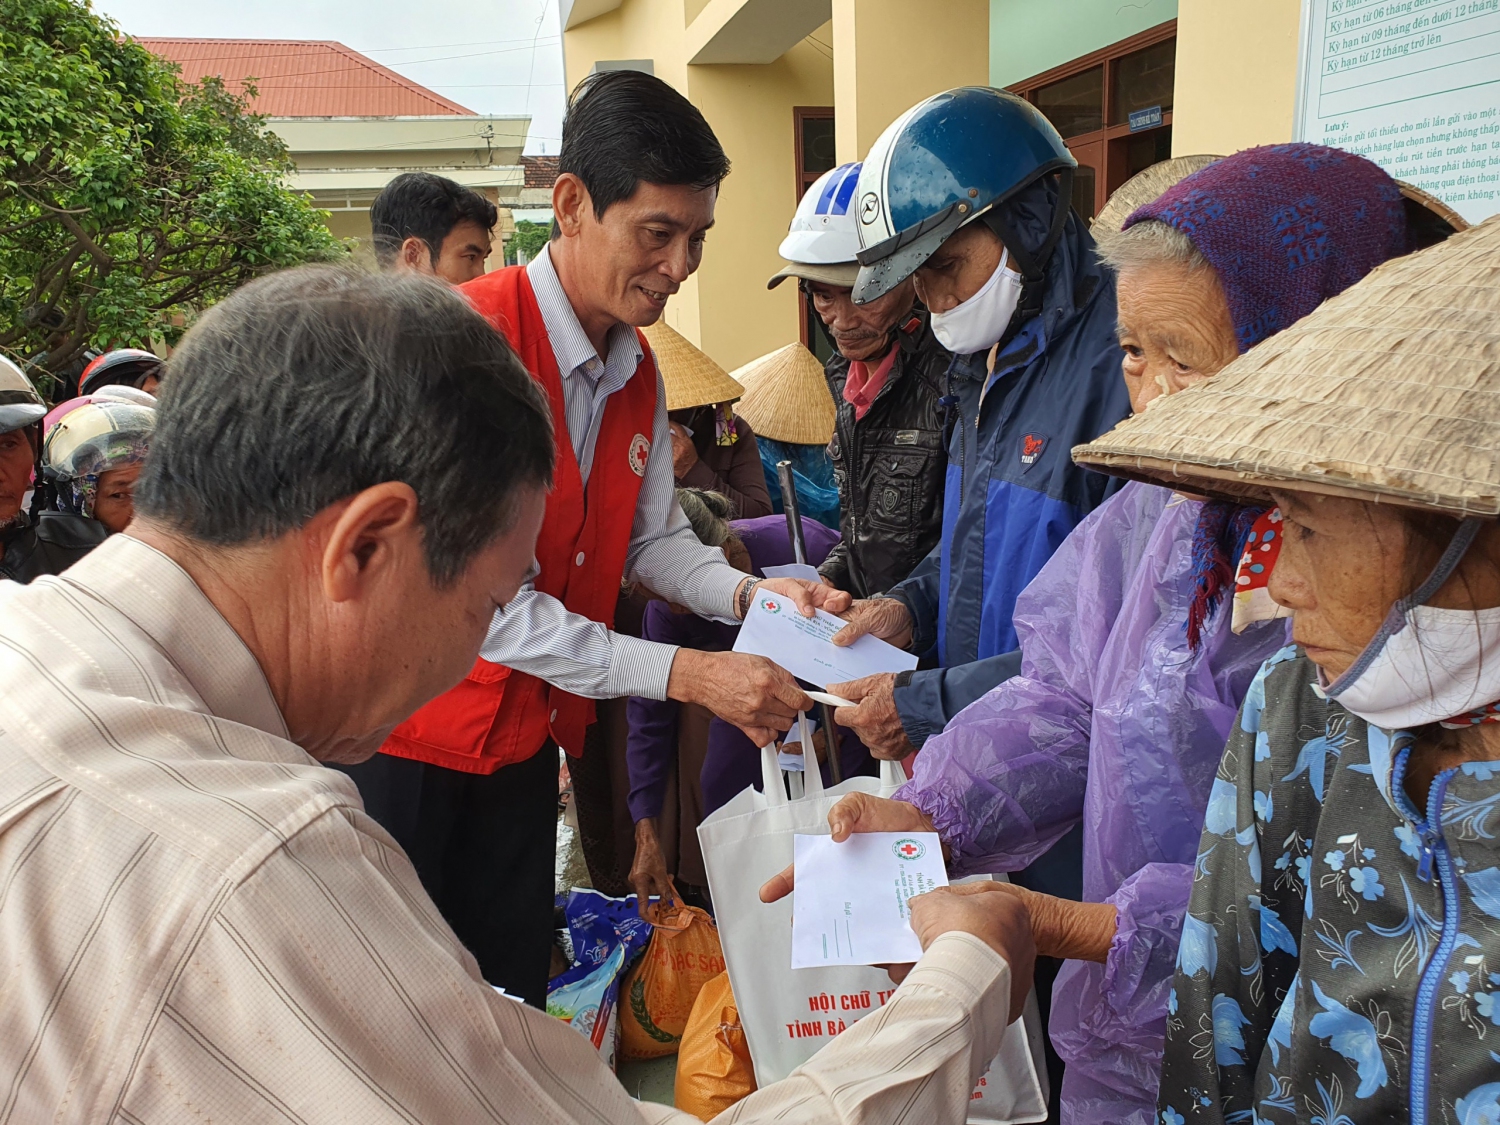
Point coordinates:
[(1033, 267)]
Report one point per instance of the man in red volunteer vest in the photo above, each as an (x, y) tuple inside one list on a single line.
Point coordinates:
[(468, 785)]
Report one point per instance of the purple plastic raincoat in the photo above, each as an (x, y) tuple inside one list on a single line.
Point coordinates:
[(1112, 720)]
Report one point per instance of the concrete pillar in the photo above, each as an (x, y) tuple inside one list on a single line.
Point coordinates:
[(890, 54), (1236, 82)]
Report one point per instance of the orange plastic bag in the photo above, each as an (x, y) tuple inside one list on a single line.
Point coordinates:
[(657, 995), (713, 1066)]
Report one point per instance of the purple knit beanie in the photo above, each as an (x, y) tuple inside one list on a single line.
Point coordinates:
[(1286, 227)]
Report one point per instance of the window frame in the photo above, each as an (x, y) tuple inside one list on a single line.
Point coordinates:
[(807, 331), (800, 114), (1111, 141)]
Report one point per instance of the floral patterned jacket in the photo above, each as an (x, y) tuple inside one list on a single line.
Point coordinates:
[(1340, 961)]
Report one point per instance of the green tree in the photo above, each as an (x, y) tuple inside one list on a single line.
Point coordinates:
[(529, 237), (129, 199)]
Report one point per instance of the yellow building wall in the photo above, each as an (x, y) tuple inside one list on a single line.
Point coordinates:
[(886, 59), (725, 308), (1236, 83), (750, 109)]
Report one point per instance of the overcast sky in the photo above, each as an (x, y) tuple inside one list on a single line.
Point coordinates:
[(494, 56)]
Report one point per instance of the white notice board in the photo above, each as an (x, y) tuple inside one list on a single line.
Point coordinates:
[(1412, 84)]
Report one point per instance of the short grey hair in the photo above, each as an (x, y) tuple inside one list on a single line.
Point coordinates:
[(708, 514), (310, 385), (1149, 243)]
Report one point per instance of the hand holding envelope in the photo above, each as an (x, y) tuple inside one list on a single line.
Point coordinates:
[(881, 898), (804, 646), (850, 906)]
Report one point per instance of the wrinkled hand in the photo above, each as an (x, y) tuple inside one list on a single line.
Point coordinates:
[(648, 873), (820, 744), (808, 597), (886, 618), (1001, 921), (1062, 928), (856, 812), (750, 692), (875, 719), (684, 453)]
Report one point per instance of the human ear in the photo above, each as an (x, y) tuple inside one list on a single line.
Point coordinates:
[(416, 255), (376, 528), (569, 200)]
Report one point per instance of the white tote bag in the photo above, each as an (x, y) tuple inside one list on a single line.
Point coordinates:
[(789, 1013)]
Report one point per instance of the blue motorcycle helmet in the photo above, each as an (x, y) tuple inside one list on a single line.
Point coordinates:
[(950, 159)]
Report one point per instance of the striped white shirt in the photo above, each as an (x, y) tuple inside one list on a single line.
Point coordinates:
[(199, 923), (535, 633)]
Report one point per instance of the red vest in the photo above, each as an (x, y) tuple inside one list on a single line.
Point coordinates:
[(498, 716)]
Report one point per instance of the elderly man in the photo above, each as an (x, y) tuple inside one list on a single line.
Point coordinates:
[(887, 375), (198, 921)]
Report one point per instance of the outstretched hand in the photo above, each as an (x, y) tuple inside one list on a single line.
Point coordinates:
[(750, 692), (874, 717), (886, 618), (808, 597), (1000, 920), (856, 812)]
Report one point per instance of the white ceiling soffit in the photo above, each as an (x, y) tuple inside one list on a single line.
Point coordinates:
[(508, 178), (575, 12), (752, 31)]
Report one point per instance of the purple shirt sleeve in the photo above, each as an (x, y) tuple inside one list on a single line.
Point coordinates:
[(1110, 1019)]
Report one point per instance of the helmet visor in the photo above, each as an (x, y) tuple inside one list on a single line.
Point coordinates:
[(887, 264)]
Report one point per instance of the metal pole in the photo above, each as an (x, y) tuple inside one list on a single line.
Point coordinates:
[(799, 552), (793, 515)]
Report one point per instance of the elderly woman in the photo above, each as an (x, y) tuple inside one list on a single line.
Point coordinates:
[(1129, 672), (713, 449), (1340, 962)]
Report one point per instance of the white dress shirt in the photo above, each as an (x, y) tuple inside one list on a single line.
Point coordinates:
[(535, 633), (199, 923)]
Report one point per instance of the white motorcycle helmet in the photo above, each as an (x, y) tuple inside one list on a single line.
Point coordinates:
[(20, 405), (824, 237)]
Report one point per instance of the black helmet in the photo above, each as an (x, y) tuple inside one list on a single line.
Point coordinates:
[(127, 366)]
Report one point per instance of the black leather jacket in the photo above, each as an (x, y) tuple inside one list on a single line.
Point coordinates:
[(56, 542), (890, 466)]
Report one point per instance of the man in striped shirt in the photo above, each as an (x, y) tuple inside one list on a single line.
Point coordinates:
[(198, 922), (468, 784)]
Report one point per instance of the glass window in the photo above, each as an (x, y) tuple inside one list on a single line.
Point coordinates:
[(1145, 149), (817, 146), (1074, 105), (1143, 80), (1085, 180)]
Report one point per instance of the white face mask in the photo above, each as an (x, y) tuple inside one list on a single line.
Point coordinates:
[(1426, 665), (977, 324)]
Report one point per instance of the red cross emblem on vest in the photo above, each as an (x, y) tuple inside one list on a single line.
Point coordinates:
[(640, 449)]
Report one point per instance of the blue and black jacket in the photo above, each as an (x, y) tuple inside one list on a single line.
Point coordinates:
[(1013, 493)]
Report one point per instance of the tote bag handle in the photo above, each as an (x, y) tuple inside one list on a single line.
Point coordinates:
[(892, 777)]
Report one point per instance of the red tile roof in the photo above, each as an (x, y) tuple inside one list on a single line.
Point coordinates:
[(304, 78), (541, 171)]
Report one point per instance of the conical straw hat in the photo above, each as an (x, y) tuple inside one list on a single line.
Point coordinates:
[(691, 378), (786, 397), (1143, 188), (1389, 391)]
